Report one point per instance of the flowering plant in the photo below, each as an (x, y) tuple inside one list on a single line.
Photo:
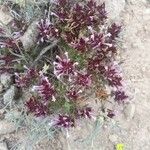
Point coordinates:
[(83, 59)]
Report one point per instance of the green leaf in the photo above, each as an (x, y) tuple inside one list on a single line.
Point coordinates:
[(67, 107)]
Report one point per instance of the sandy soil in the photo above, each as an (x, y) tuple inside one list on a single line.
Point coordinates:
[(133, 131)]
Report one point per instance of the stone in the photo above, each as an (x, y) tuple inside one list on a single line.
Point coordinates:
[(3, 145), (5, 16), (6, 80), (129, 111), (6, 127), (10, 95), (113, 138), (29, 38)]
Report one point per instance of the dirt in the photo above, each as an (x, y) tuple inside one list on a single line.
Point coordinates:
[(133, 129), (132, 132)]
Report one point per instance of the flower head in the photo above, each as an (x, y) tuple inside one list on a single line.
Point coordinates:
[(64, 66), (113, 76), (64, 121), (8, 43), (85, 112), (102, 14), (45, 89), (80, 45), (36, 107), (46, 30), (24, 79), (114, 31), (73, 94), (120, 96), (110, 113), (94, 63), (84, 79), (96, 41)]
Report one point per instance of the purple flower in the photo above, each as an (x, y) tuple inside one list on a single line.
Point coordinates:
[(64, 66), (85, 112), (8, 43), (7, 59), (36, 107), (64, 121), (84, 79), (1, 31), (114, 31), (113, 76), (110, 113), (24, 79), (62, 2), (102, 14), (73, 94), (45, 89), (120, 96), (46, 30), (94, 63), (80, 45), (21, 80), (96, 41)]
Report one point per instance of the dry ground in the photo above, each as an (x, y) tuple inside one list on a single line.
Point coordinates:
[(133, 131)]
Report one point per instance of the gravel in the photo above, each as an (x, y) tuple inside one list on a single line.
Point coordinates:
[(6, 127)]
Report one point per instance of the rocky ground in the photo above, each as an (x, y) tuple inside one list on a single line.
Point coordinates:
[(133, 125)]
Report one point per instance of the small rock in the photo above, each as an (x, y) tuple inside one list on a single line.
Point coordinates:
[(10, 95), (29, 38), (6, 80), (3, 145), (5, 17), (113, 138), (6, 127), (129, 111)]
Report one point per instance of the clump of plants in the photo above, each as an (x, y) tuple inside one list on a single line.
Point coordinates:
[(75, 52)]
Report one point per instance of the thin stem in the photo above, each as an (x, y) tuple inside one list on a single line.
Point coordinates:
[(44, 51)]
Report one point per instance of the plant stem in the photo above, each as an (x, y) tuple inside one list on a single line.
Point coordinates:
[(44, 51)]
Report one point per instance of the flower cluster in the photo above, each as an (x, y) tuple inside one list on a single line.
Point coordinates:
[(120, 96), (73, 94), (64, 121), (85, 112), (18, 27), (23, 80), (46, 31), (84, 79), (92, 47), (36, 107), (45, 89), (83, 59), (63, 66), (9, 43)]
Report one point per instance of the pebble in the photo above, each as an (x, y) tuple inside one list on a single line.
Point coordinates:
[(3, 145), (113, 138), (10, 95), (29, 38), (5, 17), (129, 111), (6, 127), (6, 80)]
